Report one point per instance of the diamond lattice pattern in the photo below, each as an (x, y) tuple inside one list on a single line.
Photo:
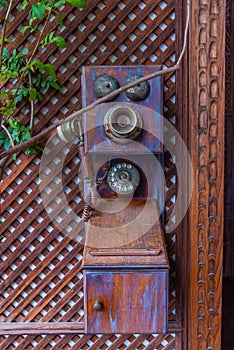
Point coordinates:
[(41, 276)]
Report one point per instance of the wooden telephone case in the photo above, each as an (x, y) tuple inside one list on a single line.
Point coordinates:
[(125, 265)]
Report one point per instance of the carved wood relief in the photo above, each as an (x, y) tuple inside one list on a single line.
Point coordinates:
[(207, 113), (228, 268), (123, 25)]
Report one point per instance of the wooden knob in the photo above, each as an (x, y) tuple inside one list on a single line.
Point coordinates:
[(97, 306)]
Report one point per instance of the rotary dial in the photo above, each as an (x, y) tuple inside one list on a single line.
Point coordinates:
[(123, 178)]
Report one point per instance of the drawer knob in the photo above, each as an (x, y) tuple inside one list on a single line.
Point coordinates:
[(97, 306)]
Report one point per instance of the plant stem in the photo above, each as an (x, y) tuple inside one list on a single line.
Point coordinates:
[(74, 115), (8, 134), (40, 36), (32, 55), (4, 29), (31, 103), (185, 33), (113, 94)]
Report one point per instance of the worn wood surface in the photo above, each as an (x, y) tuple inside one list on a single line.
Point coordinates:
[(117, 237), (115, 33), (126, 270), (41, 328), (132, 302), (206, 96), (150, 109), (228, 268)]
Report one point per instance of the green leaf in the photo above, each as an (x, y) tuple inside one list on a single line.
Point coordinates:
[(3, 135), (15, 135), (32, 94), (17, 123), (6, 53), (59, 19), (6, 40), (4, 93), (59, 3), (32, 19), (54, 85), (51, 36), (77, 3), (47, 68), (40, 96), (24, 51), (24, 5), (50, 70), (3, 3), (11, 122), (3, 77), (38, 10), (24, 29), (50, 4), (46, 83), (31, 150), (34, 64), (25, 135), (59, 41), (37, 64), (13, 75), (38, 80), (7, 144), (7, 111)]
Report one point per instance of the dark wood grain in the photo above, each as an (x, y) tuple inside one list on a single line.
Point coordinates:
[(199, 264), (229, 145), (206, 98), (127, 271), (127, 302), (146, 234), (96, 141), (41, 328)]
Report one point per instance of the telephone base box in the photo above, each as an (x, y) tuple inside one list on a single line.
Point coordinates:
[(126, 270)]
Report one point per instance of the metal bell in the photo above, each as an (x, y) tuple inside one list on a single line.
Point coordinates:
[(105, 85), (138, 92)]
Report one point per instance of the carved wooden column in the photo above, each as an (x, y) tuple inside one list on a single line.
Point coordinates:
[(206, 115)]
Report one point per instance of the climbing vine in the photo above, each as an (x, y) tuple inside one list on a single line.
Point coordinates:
[(23, 77)]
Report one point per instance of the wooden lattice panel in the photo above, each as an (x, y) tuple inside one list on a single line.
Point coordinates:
[(80, 342), (41, 276)]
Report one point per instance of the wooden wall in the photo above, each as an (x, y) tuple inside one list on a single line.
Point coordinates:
[(206, 110), (41, 276), (228, 268)]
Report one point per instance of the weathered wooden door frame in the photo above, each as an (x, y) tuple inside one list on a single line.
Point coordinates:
[(206, 58)]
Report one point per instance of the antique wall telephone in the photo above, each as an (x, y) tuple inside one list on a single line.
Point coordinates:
[(121, 147)]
